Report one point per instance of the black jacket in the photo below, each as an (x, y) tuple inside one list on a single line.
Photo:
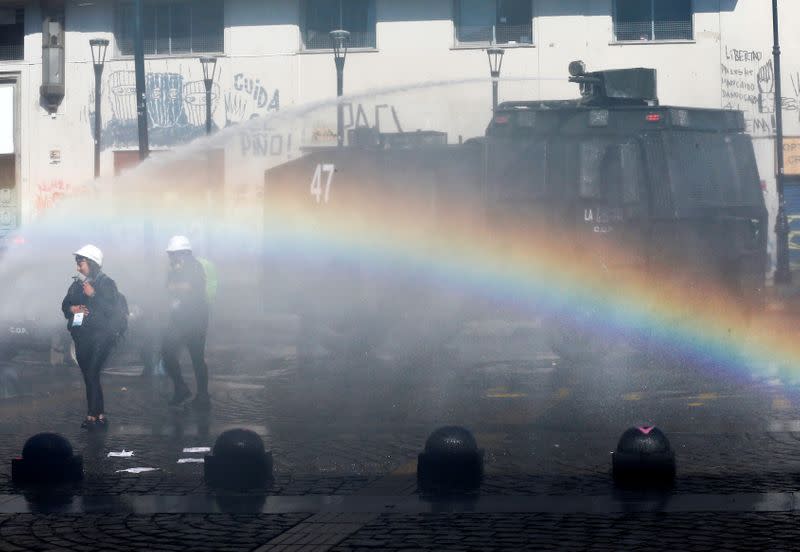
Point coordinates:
[(101, 306), (188, 303)]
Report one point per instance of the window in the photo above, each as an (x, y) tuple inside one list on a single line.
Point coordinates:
[(320, 17), (713, 170), (647, 20), (12, 32), (173, 27), (610, 171), (494, 21)]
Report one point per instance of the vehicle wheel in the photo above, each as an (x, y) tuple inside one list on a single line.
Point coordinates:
[(574, 344), (573, 347), (7, 352), (9, 383), (62, 351)]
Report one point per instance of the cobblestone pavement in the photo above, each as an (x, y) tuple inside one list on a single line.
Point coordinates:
[(213, 532), (440, 532), (705, 531), (354, 427)]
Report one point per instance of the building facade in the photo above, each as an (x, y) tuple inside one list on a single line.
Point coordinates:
[(274, 56)]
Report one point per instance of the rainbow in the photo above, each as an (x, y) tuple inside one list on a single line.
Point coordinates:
[(529, 268), (535, 268)]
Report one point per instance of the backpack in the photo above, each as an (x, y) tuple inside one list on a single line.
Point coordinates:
[(118, 322), (119, 317)]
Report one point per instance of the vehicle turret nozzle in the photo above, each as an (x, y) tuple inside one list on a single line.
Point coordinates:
[(577, 68), (614, 87)]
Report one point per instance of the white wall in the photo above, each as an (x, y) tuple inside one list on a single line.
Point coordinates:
[(265, 68)]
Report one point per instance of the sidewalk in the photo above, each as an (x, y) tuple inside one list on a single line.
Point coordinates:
[(345, 438)]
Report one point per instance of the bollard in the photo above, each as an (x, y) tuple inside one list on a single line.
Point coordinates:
[(450, 462), (238, 461), (47, 459), (644, 458)]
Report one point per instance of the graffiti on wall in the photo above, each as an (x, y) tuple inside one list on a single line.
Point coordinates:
[(748, 84), (264, 141), (176, 106), (176, 113), (248, 99), (357, 116), (50, 192)]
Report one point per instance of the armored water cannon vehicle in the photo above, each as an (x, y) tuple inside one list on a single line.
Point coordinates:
[(676, 188), (678, 185), (615, 87)]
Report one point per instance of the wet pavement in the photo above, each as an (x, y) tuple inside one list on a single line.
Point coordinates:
[(345, 434)]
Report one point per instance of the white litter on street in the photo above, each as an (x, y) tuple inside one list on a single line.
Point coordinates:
[(194, 450), (137, 470), (123, 454), (191, 460)]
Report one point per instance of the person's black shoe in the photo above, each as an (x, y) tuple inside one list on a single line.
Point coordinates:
[(201, 402), (180, 396), (88, 424)]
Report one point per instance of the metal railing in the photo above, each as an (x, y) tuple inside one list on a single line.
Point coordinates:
[(12, 52), (494, 34)]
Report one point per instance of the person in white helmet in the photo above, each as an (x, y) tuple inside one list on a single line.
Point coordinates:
[(89, 309), (188, 321)]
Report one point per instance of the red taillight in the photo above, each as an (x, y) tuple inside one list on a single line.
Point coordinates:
[(19, 240), (653, 117), (501, 119)]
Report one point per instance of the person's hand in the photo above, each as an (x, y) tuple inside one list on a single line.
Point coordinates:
[(88, 290), (75, 309)]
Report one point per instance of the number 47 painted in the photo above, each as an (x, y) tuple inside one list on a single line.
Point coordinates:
[(318, 190)]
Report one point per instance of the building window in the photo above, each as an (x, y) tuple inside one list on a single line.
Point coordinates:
[(648, 20), (494, 21), (173, 27), (320, 17), (12, 32)]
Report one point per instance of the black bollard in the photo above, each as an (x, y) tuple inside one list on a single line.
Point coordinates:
[(644, 458), (238, 461), (47, 459), (451, 462)]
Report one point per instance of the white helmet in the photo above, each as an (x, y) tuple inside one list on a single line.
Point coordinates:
[(91, 252), (178, 243)]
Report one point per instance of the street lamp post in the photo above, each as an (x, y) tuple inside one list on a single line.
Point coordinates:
[(783, 274), (141, 89), (495, 65), (99, 47), (340, 40), (209, 64)]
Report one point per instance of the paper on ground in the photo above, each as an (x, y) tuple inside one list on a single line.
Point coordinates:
[(123, 454), (137, 470), (191, 460), (192, 450)]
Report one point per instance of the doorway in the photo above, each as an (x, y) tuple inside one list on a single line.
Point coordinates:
[(9, 156)]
